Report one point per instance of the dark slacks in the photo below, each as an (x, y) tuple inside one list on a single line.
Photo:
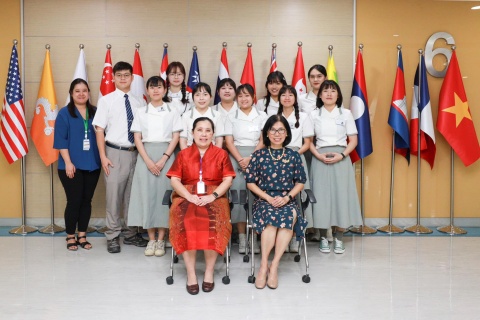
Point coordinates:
[(79, 191)]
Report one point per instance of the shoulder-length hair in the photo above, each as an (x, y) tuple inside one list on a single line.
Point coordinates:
[(71, 105), (269, 125), (330, 84)]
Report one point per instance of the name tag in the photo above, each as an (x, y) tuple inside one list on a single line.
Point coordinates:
[(200, 187), (253, 129), (340, 122), (86, 144), (292, 125)]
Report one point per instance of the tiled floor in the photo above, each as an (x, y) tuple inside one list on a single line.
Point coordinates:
[(377, 278)]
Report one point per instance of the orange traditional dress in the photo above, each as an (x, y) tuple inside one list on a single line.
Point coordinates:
[(195, 227)]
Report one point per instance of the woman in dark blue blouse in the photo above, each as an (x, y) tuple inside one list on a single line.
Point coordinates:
[(79, 162)]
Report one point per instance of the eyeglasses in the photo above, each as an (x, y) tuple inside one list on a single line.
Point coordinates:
[(279, 131), (317, 77), (175, 75), (123, 75)]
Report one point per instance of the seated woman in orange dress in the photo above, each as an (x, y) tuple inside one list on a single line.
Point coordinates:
[(200, 212)]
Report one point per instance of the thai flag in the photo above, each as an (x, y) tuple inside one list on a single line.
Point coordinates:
[(398, 118), (421, 104), (223, 72), (273, 61), (359, 108), (194, 74), (298, 80), (164, 65)]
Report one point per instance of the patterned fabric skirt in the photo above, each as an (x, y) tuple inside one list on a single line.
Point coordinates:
[(199, 228), (336, 192), (265, 214)]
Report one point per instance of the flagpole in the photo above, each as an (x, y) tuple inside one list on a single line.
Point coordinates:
[(23, 229), (363, 229), (390, 228), (451, 229), (418, 228), (52, 228)]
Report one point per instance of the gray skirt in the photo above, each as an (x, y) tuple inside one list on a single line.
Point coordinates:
[(238, 213), (308, 212), (146, 209), (336, 192)]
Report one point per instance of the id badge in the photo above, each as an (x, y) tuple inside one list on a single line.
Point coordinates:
[(253, 128), (200, 187), (86, 144), (340, 122)]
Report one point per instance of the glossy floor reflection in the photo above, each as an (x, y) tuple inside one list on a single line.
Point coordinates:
[(377, 278)]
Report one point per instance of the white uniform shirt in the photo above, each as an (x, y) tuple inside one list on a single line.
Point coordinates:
[(307, 102), (332, 128), (111, 115), (176, 101), (304, 130), (272, 106), (157, 124), (245, 129), (218, 107), (189, 117)]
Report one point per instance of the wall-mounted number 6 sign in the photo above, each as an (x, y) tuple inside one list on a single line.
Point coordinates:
[(430, 53)]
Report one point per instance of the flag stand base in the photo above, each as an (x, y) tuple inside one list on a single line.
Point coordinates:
[(91, 229), (102, 229), (362, 230), (390, 228), (52, 229), (23, 230), (451, 229), (418, 229)]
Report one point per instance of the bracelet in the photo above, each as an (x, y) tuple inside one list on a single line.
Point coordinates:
[(343, 156), (166, 155)]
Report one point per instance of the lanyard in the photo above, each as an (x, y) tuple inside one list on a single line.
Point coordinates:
[(85, 123), (201, 160)]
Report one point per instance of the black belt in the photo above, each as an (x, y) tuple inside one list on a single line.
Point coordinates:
[(111, 145)]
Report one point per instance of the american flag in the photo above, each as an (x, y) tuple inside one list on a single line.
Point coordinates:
[(13, 137)]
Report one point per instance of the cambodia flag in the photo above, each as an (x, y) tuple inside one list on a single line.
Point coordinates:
[(194, 74), (248, 76), (299, 81), (454, 117), (138, 83), (398, 118), (164, 65), (421, 104), (223, 73), (359, 109), (273, 60)]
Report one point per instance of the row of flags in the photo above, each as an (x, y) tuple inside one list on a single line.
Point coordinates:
[(454, 118)]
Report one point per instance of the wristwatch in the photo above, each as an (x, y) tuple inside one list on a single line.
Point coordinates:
[(215, 195), (290, 197)]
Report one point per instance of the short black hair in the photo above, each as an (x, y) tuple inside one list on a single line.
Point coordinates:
[(122, 65), (225, 81), (203, 119), (269, 124), (202, 85), (247, 87), (329, 84), (319, 68)]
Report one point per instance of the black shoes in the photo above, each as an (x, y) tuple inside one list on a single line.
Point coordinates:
[(113, 246), (137, 240)]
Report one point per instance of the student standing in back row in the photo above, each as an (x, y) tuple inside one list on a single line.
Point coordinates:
[(269, 104), (177, 94), (118, 155)]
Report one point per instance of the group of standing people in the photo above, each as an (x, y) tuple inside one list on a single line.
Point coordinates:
[(178, 139)]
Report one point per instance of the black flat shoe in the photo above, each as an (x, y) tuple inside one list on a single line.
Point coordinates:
[(208, 286)]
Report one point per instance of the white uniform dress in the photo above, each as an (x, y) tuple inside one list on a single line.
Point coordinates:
[(334, 184), (157, 125), (176, 101), (189, 117), (218, 107), (307, 102), (272, 108), (304, 130), (246, 131)]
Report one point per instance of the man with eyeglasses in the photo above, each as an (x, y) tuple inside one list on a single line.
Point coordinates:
[(118, 154)]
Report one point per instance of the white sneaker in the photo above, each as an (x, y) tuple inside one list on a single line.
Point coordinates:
[(324, 246), (160, 248), (242, 242), (150, 249), (339, 247), (256, 245), (329, 235), (294, 245), (316, 236)]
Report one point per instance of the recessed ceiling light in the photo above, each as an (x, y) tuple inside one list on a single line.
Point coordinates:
[(396, 35)]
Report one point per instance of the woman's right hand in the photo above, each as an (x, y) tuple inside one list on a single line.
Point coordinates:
[(70, 170), (193, 198), (154, 169)]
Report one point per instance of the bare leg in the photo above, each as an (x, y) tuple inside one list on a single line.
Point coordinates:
[(268, 241), (161, 233), (241, 227), (210, 259), (190, 257), (151, 233)]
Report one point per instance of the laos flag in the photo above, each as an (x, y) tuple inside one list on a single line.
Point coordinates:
[(359, 109)]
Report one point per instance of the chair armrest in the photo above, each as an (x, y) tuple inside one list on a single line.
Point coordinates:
[(166, 197), (233, 195), (243, 197), (310, 195)]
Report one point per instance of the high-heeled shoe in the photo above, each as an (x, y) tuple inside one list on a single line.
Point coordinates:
[(260, 283), (272, 282)]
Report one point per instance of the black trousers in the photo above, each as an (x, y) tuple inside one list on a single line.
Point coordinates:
[(79, 191)]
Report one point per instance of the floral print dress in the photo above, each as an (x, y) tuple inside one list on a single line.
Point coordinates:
[(276, 175)]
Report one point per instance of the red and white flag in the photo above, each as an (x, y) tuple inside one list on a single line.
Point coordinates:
[(13, 136), (273, 60), (138, 84), (299, 81), (164, 65), (223, 73), (107, 85), (248, 75)]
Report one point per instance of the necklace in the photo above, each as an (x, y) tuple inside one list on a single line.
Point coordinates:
[(279, 157)]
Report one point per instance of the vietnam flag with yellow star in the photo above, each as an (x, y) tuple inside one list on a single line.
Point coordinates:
[(454, 118)]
